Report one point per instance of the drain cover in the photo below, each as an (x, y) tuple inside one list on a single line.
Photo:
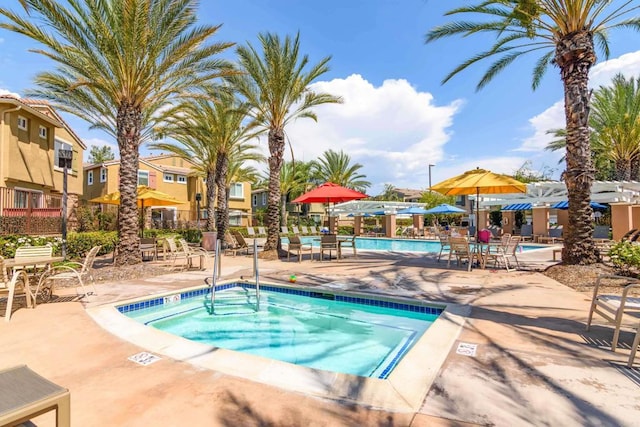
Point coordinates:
[(467, 349), (144, 358)]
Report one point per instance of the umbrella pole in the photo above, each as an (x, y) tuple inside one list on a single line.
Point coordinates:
[(477, 212)]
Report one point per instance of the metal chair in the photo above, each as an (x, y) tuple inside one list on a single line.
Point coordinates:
[(71, 271), (296, 245)]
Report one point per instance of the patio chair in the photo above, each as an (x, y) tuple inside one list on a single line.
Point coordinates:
[(35, 252), (148, 247), (172, 252), (634, 346), (19, 280), (618, 310), (348, 243), (25, 395), (262, 232), (193, 252), (502, 253), (296, 245), (329, 243), (462, 251), (444, 244), (68, 273)]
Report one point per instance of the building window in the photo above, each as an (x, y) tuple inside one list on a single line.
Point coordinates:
[(181, 179), (168, 177), (236, 191), (42, 132), (57, 146), (103, 174), (143, 178), (264, 199), (235, 218), (22, 123), (254, 200), (21, 199), (90, 178)]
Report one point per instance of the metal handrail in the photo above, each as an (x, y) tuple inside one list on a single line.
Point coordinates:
[(216, 254), (256, 272)]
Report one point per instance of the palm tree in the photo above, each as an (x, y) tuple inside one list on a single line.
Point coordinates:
[(118, 64), (390, 193), (336, 167), (566, 32), (208, 132), (276, 86), (615, 125)]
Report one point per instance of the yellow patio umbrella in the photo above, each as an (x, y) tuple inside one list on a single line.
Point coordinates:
[(479, 181), (147, 196)]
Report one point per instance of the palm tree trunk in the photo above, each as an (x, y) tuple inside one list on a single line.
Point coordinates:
[(623, 170), (575, 56), (222, 209), (635, 168), (283, 209), (276, 151), (211, 197), (128, 124)]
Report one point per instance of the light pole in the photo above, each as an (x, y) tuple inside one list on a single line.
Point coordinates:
[(198, 198), (64, 161), (430, 166)]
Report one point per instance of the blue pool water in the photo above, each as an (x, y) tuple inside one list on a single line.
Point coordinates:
[(358, 336), (396, 245)]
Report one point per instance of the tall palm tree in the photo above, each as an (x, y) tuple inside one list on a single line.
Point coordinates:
[(615, 126), (118, 64), (336, 167), (209, 131), (276, 86), (566, 32), (292, 183), (390, 193)]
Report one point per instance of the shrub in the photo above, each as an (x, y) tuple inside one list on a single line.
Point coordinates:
[(625, 256)]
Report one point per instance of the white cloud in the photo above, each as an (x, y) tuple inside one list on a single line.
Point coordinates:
[(553, 117), (4, 92), (393, 130)]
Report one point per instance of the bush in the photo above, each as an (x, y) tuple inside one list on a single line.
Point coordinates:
[(625, 256)]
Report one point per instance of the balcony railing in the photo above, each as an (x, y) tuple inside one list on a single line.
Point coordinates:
[(29, 212)]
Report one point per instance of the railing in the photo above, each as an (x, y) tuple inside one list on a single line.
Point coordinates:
[(29, 212)]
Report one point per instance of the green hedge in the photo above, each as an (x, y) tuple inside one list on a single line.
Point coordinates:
[(626, 257)]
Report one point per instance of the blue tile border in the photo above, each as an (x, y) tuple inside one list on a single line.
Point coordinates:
[(424, 309)]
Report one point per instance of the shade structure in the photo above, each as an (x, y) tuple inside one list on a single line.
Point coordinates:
[(565, 205), (147, 196), (517, 207), (413, 210), (444, 208), (364, 215), (329, 193), (479, 181)]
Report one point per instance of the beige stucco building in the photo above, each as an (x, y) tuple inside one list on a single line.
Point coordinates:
[(32, 134), (174, 176)]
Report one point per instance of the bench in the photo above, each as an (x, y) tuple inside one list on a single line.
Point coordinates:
[(25, 395)]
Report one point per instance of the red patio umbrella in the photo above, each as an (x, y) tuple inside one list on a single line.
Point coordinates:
[(329, 192)]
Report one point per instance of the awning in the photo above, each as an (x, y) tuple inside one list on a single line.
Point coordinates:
[(565, 205), (517, 207)]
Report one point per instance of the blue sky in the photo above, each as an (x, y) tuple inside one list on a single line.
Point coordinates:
[(397, 118)]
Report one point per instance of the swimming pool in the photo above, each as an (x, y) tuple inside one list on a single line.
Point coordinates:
[(395, 245), (352, 335)]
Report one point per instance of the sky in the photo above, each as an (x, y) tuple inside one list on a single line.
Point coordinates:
[(397, 118)]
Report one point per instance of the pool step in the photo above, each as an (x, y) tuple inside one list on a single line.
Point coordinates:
[(233, 303)]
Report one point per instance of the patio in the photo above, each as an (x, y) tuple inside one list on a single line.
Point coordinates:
[(534, 362)]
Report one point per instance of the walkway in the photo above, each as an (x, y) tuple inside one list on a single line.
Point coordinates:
[(535, 365)]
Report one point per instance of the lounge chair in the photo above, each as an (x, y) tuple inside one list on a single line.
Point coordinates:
[(555, 235), (296, 245), (26, 395), (251, 232), (601, 232), (70, 272), (312, 230), (629, 234), (304, 229), (19, 280), (329, 243), (294, 230), (262, 232), (240, 244), (284, 229), (618, 310), (526, 232)]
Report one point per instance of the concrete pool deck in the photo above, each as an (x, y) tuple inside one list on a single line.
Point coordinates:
[(534, 363)]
